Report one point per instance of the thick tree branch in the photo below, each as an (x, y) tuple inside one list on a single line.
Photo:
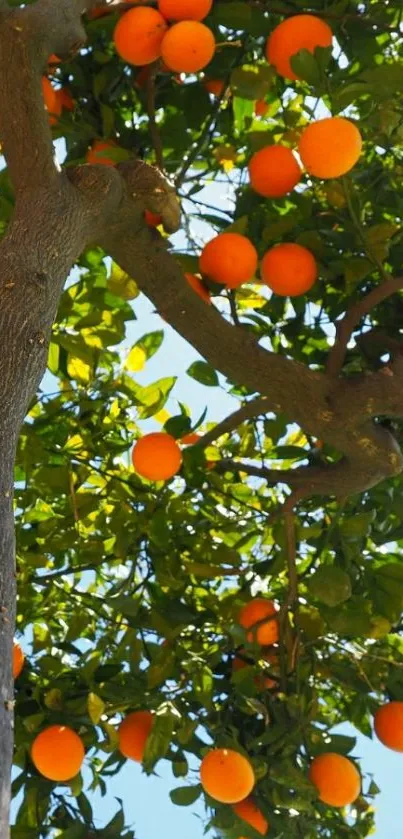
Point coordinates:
[(346, 326), (346, 477)]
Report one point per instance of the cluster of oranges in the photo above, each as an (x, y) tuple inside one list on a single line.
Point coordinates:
[(226, 775), (172, 32), (288, 269)]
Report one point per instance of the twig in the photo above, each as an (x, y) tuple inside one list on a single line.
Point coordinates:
[(254, 408), (233, 308), (289, 644), (73, 497), (152, 122), (198, 145), (347, 324), (361, 232), (292, 477)]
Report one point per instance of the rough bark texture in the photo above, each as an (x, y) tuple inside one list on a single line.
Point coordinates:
[(57, 215)]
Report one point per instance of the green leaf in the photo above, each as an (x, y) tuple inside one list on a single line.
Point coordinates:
[(306, 67), (252, 82), (159, 740), (203, 373), (184, 796), (330, 585), (243, 113)]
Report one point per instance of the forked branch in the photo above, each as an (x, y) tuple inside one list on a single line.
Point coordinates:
[(345, 327)]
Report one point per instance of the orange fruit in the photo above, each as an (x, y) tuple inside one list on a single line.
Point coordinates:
[(133, 734), (226, 775), (58, 753), (388, 724), (185, 9), (336, 778), (188, 46), (274, 171), (52, 99), (330, 147), (302, 32), (96, 154), (214, 86), (66, 99), (190, 439), (157, 456), (152, 219), (230, 259), (197, 286), (259, 617), (261, 108), (262, 682), (18, 659), (289, 269), (249, 812), (138, 35)]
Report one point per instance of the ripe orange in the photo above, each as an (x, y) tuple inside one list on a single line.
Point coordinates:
[(249, 812), (230, 259), (289, 269), (138, 35), (18, 659), (157, 456), (226, 775), (152, 219), (330, 147), (58, 753), (96, 154), (388, 724), (133, 734), (259, 617), (274, 171), (261, 108), (197, 286), (191, 439), (244, 659), (185, 9), (188, 46), (336, 778), (302, 32), (51, 99), (66, 99), (214, 86)]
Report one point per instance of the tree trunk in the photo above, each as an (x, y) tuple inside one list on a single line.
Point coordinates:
[(7, 616)]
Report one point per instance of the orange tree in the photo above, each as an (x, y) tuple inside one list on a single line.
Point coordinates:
[(134, 593)]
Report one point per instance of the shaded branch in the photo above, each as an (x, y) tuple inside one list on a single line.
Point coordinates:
[(346, 326), (346, 477)]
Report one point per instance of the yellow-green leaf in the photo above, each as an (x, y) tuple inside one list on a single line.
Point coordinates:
[(136, 360), (121, 284), (78, 369), (54, 699), (96, 707)]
